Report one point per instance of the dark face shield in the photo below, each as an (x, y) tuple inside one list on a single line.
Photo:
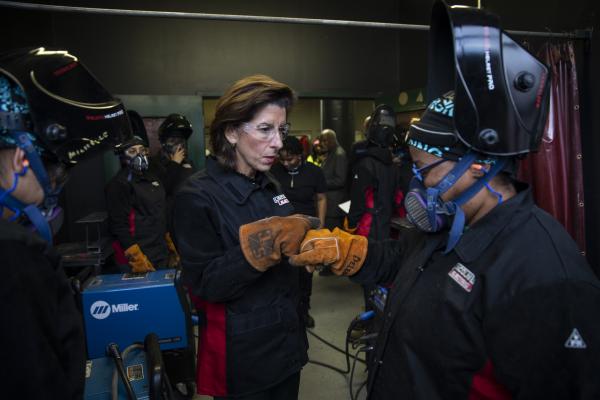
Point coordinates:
[(382, 126), (501, 90), (72, 115)]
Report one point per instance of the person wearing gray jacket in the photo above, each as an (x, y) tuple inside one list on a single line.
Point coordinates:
[(335, 169)]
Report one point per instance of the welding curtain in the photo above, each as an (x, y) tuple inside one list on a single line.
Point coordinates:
[(555, 171)]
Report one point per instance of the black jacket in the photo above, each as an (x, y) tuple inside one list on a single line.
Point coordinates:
[(43, 346), (136, 207), (252, 338), (171, 174), (511, 312), (373, 190)]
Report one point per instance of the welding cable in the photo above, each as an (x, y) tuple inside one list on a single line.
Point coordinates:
[(115, 377)]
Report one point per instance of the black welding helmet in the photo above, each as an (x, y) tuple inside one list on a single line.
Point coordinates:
[(382, 126), (71, 116), (501, 90), (174, 125)]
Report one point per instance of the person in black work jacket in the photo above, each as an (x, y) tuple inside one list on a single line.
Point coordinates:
[(136, 204), (232, 227), (491, 299), (172, 165), (335, 168), (375, 180), (41, 136), (374, 183), (304, 185)]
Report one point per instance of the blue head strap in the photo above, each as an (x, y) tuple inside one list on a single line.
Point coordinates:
[(458, 223), (433, 193), (50, 196)]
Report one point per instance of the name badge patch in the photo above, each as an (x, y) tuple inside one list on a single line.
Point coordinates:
[(463, 276), (280, 200)]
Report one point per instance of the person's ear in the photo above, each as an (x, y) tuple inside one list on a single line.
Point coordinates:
[(232, 135), (19, 161), (478, 170)]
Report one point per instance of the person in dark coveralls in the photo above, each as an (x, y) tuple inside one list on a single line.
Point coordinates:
[(491, 298), (46, 127), (136, 205), (304, 185), (232, 226)]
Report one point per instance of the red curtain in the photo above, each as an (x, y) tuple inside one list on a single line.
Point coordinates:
[(555, 171)]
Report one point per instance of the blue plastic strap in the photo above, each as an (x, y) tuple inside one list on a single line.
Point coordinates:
[(39, 221), (459, 218), (477, 186), (498, 194), (36, 164), (456, 230), (459, 169)]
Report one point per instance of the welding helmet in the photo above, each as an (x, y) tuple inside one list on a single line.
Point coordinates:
[(382, 126), (56, 111), (501, 90)]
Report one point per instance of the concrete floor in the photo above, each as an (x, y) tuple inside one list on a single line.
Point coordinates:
[(335, 302)]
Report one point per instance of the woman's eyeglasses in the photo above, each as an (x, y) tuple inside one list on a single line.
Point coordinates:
[(266, 132)]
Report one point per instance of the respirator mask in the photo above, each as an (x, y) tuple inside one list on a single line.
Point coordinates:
[(425, 207), (138, 163)]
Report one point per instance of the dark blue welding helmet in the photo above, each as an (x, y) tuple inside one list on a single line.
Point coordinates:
[(501, 90)]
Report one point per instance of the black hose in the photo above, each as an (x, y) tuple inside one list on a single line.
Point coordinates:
[(113, 351), (365, 349), (322, 364), (333, 346), (364, 384), (346, 354), (115, 377)]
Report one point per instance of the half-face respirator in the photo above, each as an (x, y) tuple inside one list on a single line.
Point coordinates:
[(426, 209)]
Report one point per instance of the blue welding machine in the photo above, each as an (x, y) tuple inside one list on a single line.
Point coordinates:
[(99, 376), (124, 308)]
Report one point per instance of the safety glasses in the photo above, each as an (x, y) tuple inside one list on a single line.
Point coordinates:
[(265, 131)]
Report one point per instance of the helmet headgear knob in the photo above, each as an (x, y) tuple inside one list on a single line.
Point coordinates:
[(524, 81), (56, 132)]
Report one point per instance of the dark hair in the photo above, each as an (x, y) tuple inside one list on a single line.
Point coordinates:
[(292, 145), (239, 104)]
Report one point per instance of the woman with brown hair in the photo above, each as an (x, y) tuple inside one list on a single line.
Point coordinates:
[(232, 227)]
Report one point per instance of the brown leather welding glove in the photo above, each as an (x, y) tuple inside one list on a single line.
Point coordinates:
[(138, 260), (347, 228), (345, 253), (173, 254), (264, 241)]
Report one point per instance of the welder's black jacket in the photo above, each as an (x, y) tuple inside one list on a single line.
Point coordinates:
[(373, 187), (527, 329), (171, 175), (43, 345), (136, 207), (252, 338)]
